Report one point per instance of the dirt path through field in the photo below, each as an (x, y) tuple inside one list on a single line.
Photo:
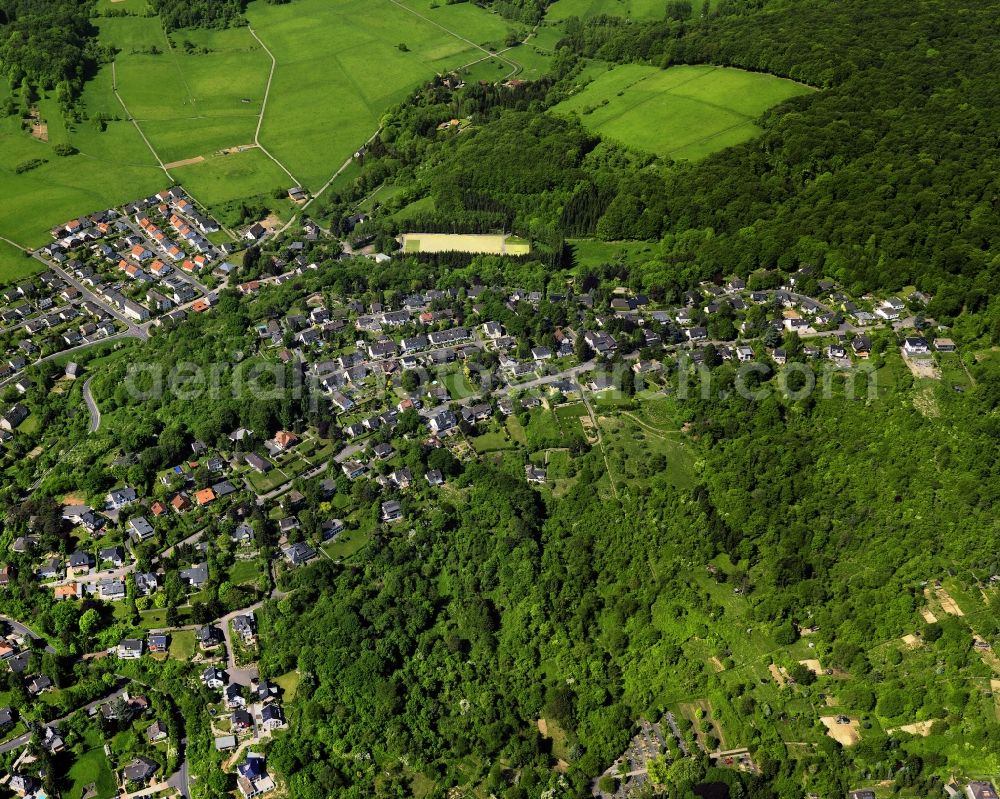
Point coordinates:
[(185, 162)]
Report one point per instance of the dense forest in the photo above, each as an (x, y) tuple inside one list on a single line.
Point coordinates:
[(48, 44), (204, 14), (884, 177)]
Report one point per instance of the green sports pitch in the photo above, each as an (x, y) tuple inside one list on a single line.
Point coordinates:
[(684, 112)]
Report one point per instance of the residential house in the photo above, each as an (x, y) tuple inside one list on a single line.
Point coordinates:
[(157, 731), (195, 576), (533, 474), (111, 590), (13, 417), (214, 678), (916, 345), (245, 627), (252, 778), (158, 643), (120, 498), (980, 789), (114, 556), (298, 553), (146, 583), (233, 694), (392, 511), (139, 771), (130, 649), (81, 562), (272, 717), (140, 529)]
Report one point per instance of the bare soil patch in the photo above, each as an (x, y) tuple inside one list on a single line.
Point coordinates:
[(844, 734), (929, 617), (716, 664), (912, 641), (921, 728), (778, 674), (185, 162), (923, 367), (813, 666), (949, 605)]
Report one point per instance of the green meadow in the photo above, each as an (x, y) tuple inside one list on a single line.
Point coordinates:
[(684, 112), (111, 167), (340, 65), (639, 10), (189, 104)]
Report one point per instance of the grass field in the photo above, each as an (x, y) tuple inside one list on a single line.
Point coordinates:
[(182, 645), (221, 179), (638, 10), (340, 65), (497, 244), (684, 112), (14, 265), (92, 768), (189, 104), (200, 91), (111, 167)]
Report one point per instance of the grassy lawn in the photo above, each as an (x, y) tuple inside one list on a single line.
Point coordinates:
[(492, 441), (591, 252), (262, 483), (348, 543), (190, 104), (111, 167), (182, 645), (458, 386), (224, 178), (245, 571), (156, 618), (289, 684), (16, 265), (92, 768), (684, 112)]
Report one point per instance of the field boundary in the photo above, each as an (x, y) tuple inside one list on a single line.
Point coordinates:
[(134, 121), (263, 107)]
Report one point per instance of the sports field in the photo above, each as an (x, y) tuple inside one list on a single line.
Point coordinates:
[(498, 244), (340, 65), (684, 112)]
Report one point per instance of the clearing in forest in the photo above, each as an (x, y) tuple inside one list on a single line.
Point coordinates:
[(949, 605), (491, 244), (684, 112), (846, 734)]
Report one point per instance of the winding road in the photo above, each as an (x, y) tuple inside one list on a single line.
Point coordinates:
[(95, 412), (25, 630)]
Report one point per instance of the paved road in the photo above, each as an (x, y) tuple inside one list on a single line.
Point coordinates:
[(95, 412), (180, 780), (25, 630)]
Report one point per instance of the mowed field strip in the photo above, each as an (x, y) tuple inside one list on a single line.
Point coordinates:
[(684, 112), (491, 244)]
